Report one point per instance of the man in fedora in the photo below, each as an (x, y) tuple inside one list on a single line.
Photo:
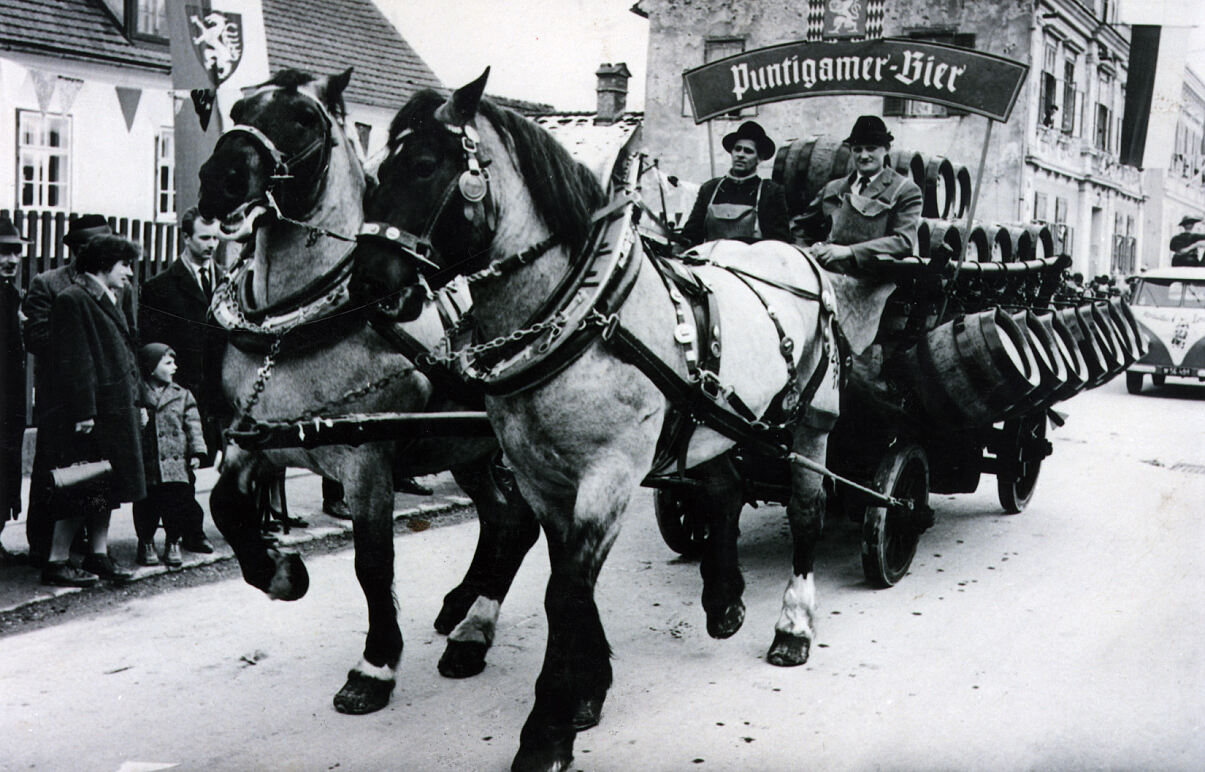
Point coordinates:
[(873, 211), (1184, 244), (12, 378), (740, 205), (44, 288)]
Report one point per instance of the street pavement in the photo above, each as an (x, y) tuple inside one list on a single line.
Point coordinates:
[(21, 586)]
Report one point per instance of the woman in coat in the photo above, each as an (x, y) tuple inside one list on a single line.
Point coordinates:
[(98, 419)]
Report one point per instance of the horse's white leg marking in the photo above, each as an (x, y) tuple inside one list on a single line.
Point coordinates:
[(379, 672), (798, 607), (479, 623)]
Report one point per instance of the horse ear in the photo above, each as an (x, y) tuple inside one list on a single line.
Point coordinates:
[(462, 107), (335, 86)]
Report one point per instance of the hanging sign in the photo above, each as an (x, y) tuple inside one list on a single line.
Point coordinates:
[(128, 98), (844, 19), (932, 72)]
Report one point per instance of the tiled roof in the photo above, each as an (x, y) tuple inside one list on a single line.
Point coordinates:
[(594, 145), (73, 29), (328, 36)]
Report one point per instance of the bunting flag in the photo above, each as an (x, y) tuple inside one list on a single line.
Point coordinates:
[(68, 89), (43, 86), (202, 102), (1159, 54), (128, 98)]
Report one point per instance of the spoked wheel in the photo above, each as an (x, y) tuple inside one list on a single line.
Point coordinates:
[(890, 533), (1020, 455), (680, 528)]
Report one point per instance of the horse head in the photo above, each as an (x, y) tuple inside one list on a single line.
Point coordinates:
[(277, 154), (464, 183)]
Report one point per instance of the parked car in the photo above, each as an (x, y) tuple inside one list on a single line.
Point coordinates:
[(1169, 304)]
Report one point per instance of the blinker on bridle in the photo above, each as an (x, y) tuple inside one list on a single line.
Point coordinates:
[(473, 185)]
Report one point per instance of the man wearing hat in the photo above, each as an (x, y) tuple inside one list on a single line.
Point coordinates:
[(1184, 243), (12, 378), (740, 205), (43, 289), (873, 211)]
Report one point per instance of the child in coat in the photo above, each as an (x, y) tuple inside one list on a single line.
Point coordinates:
[(172, 447)]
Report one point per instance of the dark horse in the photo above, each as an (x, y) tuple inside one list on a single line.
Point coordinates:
[(473, 189), (287, 177)]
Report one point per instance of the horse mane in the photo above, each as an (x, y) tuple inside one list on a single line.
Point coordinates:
[(293, 79), (565, 193)]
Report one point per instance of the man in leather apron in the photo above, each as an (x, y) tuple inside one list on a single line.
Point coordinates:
[(740, 205), (873, 211)]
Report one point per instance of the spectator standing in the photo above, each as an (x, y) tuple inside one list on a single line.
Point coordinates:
[(43, 289), (175, 311), (1184, 244), (172, 447), (96, 415), (12, 379)]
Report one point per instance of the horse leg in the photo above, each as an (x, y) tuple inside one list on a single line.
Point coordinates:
[(719, 497), (577, 660), (369, 494), (508, 529), (232, 505), (795, 629)]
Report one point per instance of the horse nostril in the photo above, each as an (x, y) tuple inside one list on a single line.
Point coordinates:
[(235, 184)]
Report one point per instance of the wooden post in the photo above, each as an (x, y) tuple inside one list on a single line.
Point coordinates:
[(710, 150)]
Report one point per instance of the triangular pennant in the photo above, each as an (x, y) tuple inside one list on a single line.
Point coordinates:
[(129, 98), (43, 86), (202, 102), (178, 101), (68, 89)]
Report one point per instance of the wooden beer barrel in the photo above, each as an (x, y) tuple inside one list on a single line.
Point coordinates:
[(1073, 361), (938, 187), (826, 153), (1121, 309), (1086, 342), (1116, 336), (923, 238), (962, 190), (1024, 247), (979, 245), (1043, 241), (971, 370), (947, 233), (1002, 243), (1052, 370)]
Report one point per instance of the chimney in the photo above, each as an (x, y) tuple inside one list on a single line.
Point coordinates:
[(612, 92)]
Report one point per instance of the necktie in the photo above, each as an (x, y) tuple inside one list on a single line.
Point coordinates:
[(862, 183), (206, 282)]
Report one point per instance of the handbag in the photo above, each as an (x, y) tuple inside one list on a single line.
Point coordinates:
[(85, 471)]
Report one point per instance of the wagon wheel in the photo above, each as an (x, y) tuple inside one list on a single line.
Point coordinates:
[(680, 528), (1021, 451), (890, 534)]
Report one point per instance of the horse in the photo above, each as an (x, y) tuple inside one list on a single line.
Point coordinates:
[(287, 178), (474, 189)]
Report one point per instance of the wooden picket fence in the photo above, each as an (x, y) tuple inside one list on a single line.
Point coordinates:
[(45, 230)]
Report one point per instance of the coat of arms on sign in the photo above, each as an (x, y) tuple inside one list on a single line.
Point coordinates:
[(844, 18), (217, 39)]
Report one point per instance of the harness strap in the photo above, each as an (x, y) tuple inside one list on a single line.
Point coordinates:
[(446, 381)]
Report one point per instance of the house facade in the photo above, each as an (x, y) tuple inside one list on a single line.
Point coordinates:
[(87, 110), (1056, 160), (1175, 179)]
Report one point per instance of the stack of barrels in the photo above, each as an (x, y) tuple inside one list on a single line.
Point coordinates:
[(996, 364), (804, 166)]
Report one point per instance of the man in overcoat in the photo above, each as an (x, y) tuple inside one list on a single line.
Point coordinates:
[(873, 211), (43, 289), (12, 378), (97, 418)]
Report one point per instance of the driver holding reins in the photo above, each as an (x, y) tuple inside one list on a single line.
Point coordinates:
[(872, 211)]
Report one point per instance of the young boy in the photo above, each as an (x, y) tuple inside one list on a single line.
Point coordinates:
[(172, 447)]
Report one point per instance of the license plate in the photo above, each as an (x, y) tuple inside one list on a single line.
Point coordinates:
[(1181, 372)]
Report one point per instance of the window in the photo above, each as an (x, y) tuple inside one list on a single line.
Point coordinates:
[(1039, 207), (43, 160), (165, 175), (912, 108), (718, 48), (1104, 127), (1063, 233), (1047, 100), (1068, 126), (150, 18)]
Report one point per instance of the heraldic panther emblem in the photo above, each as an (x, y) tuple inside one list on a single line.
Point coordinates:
[(218, 42)]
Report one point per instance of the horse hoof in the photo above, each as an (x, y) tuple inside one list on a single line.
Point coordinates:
[(788, 650), (552, 759), (462, 659), (725, 622), (588, 713), (363, 694), (291, 580)]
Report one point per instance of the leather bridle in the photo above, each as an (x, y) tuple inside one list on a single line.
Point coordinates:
[(473, 187), (283, 167)]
